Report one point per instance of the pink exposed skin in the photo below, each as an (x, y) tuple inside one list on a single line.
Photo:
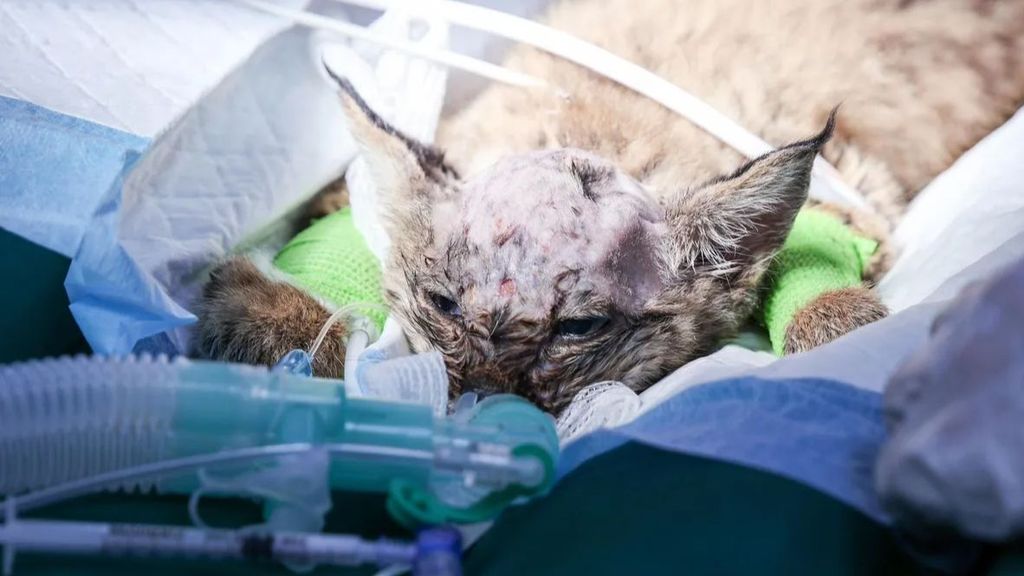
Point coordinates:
[(526, 223), (532, 260)]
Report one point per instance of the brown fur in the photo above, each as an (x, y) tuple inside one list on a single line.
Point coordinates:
[(831, 315), (246, 317), (478, 267), (919, 83), (332, 198)]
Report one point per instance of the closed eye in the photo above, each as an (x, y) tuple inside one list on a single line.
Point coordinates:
[(581, 327), (446, 305)]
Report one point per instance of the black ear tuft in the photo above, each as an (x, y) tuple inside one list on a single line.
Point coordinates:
[(815, 143), (364, 121), (818, 142)]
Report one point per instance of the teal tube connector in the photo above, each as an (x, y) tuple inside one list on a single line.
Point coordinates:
[(70, 418)]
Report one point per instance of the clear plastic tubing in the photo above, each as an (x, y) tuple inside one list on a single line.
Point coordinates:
[(357, 342), (71, 418)]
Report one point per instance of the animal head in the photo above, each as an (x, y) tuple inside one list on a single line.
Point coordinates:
[(554, 270)]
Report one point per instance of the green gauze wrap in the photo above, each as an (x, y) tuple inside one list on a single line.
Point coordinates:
[(331, 260), (820, 255)]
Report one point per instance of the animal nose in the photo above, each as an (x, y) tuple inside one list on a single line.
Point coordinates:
[(481, 326), (482, 387), (481, 393)]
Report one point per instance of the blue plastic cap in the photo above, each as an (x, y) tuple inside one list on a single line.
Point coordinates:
[(438, 552), (295, 362)]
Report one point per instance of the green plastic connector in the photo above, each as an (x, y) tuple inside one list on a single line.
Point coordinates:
[(508, 417)]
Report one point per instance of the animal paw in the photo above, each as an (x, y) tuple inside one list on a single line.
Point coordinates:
[(832, 315), (332, 198), (244, 316)]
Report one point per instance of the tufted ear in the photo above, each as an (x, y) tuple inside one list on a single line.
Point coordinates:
[(408, 173), (741, 220)]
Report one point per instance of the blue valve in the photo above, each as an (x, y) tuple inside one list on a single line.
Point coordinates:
[(295, 362), (438, 552)]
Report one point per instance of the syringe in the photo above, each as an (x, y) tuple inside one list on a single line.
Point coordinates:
[(436, 552)]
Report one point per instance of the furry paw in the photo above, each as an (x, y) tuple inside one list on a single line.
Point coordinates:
[(831, 315), (332, 198), (246, 317)]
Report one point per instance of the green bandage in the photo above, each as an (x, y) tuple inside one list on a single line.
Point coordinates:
[(820, 255), (331, 259)]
